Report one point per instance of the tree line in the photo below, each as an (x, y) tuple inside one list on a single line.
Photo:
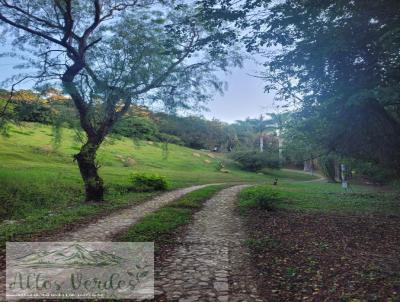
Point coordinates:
[(55, 108)]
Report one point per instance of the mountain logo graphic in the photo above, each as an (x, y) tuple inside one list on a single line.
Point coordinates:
[(72, 256)]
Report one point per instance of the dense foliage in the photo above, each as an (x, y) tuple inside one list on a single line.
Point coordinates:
[(197, 132), (136, 127), (255, 160), (338, 61)]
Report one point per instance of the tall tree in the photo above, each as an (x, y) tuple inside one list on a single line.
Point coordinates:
[(109, 55), (342, 58)]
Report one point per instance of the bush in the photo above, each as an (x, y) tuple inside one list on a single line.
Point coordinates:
[(374, 172), (255, 161), (141, 182), (136, 127), (259, 197)]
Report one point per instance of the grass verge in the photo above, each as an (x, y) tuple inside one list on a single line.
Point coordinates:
[(42, 220), (161, 226), (321, 197)]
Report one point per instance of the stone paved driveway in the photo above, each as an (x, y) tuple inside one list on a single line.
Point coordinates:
[(106, 228), (212, 263)]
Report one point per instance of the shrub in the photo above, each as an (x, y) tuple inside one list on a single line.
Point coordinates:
[(255, 161), (374, 172), (141, 182), (259, 197)]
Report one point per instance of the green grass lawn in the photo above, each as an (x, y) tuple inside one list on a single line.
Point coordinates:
[(41, 189), (324, 197)]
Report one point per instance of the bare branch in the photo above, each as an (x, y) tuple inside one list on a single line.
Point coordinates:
[(96, 22)]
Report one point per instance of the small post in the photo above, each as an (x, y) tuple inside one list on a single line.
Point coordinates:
[(343, 176)]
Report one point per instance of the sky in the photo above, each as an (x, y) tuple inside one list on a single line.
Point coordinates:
[(243, 98)]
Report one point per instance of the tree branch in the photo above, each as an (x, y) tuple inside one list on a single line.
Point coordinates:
[(29, 15), (37, 33), (156, 82), (96, 22)]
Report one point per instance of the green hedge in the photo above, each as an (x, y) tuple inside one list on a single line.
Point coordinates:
[(143, 182)]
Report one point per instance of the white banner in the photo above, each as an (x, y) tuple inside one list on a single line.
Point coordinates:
[(80, 270)]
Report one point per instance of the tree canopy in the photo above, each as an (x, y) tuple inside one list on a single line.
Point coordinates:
[(338, 63)]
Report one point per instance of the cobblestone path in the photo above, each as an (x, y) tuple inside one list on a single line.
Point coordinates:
[(106, 228), (212, 263)]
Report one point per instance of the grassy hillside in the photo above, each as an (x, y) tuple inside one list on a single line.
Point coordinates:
[(41, 189), (28, 153)]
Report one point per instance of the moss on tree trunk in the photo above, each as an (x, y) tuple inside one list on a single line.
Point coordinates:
[(88, 168)]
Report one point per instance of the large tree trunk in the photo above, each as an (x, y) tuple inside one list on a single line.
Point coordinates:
[(86, 159)]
